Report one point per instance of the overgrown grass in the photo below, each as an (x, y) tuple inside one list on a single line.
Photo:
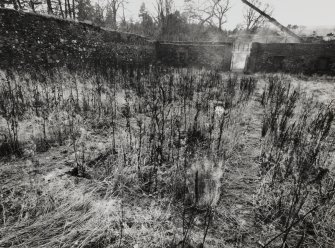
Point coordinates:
[(167, 133), (297, 192), (148, 150)]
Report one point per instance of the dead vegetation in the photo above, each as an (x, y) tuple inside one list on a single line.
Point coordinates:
[(297, 192), (161, 157)]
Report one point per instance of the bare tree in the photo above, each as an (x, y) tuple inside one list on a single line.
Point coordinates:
[(16, 4), (49, 6), (220, 8), (33, 4), (60, 8), (68, 9), (65, 8), (254, 20), (163, 9), (211, 12), (113, 7), (73, 9)]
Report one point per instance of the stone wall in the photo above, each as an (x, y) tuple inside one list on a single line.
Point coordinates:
[(204, 54), (29, 40), (292, 58)]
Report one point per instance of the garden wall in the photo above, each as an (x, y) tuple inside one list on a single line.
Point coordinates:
[(29, 40), (292, 58), (204, 54)]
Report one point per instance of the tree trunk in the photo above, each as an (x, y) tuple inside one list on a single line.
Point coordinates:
[(69, 8), (114, 16), (65, 8), (73, 10), (15, 5), (60, 8), (32, 5), (49, 7)]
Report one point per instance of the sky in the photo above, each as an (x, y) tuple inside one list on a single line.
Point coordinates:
[(310, 13)]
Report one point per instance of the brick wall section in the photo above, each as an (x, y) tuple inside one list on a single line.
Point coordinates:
[(292, 58), (29, 40), (183, 54)]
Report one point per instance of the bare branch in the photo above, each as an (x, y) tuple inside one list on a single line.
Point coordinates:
[(254, 20), (212, 12)]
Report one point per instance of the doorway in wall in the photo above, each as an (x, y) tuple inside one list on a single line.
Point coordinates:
[(241, 52)]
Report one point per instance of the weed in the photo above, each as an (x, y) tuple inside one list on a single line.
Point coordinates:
[(294, 163)]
